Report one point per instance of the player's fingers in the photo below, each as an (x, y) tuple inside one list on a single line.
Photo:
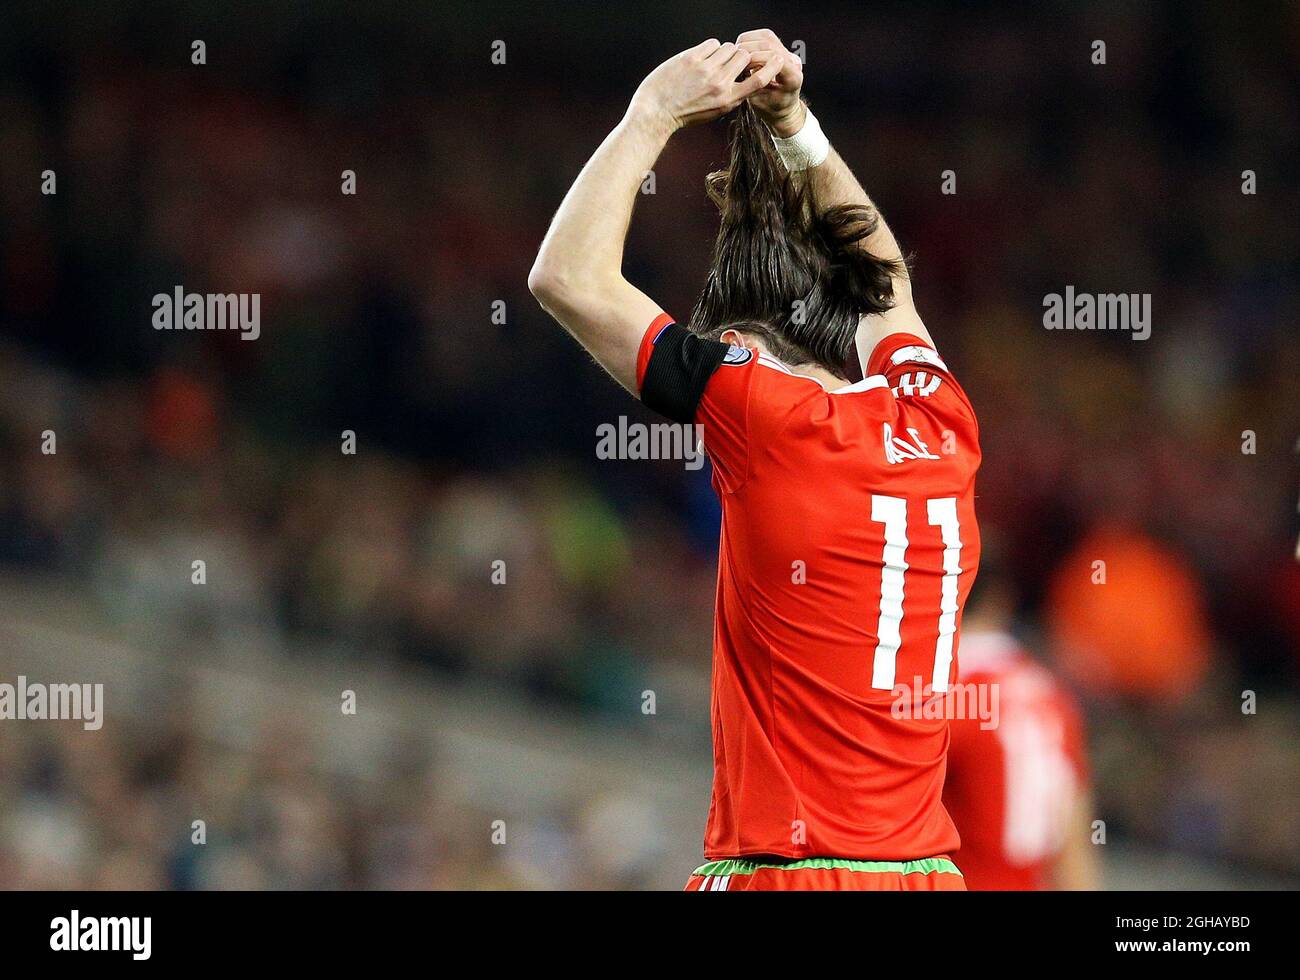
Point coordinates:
[(734, 63), (759, 51), (791, 66), (705, 48), (758, 81), (762, 36), (720, 54)]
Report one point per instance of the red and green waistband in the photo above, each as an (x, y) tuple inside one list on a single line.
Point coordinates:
[(739, 866)]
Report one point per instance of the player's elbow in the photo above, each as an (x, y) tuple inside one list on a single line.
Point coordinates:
[(548, 284), (565, 292)]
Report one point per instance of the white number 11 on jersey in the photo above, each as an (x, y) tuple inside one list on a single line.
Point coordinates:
[(892, 512)]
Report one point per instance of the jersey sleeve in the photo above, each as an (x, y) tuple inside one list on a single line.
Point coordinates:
[(914, 370), (691, 380)]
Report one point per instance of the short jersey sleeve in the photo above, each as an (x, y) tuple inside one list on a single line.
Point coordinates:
[(690, 379), (915, 371)]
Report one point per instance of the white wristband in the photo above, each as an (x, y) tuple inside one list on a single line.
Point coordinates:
[(805, 149)]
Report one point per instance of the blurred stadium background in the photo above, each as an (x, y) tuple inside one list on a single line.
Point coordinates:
[(522, 703)]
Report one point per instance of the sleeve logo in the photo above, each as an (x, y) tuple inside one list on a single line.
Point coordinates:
[(920, 384), (737, 355), (917, 353)]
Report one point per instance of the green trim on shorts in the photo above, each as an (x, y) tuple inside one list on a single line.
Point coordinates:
[(925, 866)]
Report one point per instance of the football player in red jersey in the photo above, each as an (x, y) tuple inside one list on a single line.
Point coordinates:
[(1018, 780), (844, 453)]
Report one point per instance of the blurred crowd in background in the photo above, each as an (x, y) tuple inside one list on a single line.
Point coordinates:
[(119, 812), (401, 314)]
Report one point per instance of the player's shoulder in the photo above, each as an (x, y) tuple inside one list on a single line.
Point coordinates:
[(902, 404), (917, 376), (912, 364), (772, 387), (900, 350)]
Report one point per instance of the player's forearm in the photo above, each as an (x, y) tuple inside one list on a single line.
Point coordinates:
[(833, 184), (583, 250), (578, 275)]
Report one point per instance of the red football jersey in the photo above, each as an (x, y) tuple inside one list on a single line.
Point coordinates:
[(1012, 786), (848, 546)]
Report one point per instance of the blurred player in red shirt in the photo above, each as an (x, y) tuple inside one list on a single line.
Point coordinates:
[(844, 453), (1018, 779)]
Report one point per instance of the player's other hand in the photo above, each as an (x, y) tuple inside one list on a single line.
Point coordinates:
[(777, 103), (699, 85)]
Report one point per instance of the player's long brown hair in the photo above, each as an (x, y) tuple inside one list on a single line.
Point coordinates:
[(775, 247)]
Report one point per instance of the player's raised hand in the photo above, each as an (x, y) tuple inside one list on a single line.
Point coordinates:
[(777, 103), (700, 84)]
